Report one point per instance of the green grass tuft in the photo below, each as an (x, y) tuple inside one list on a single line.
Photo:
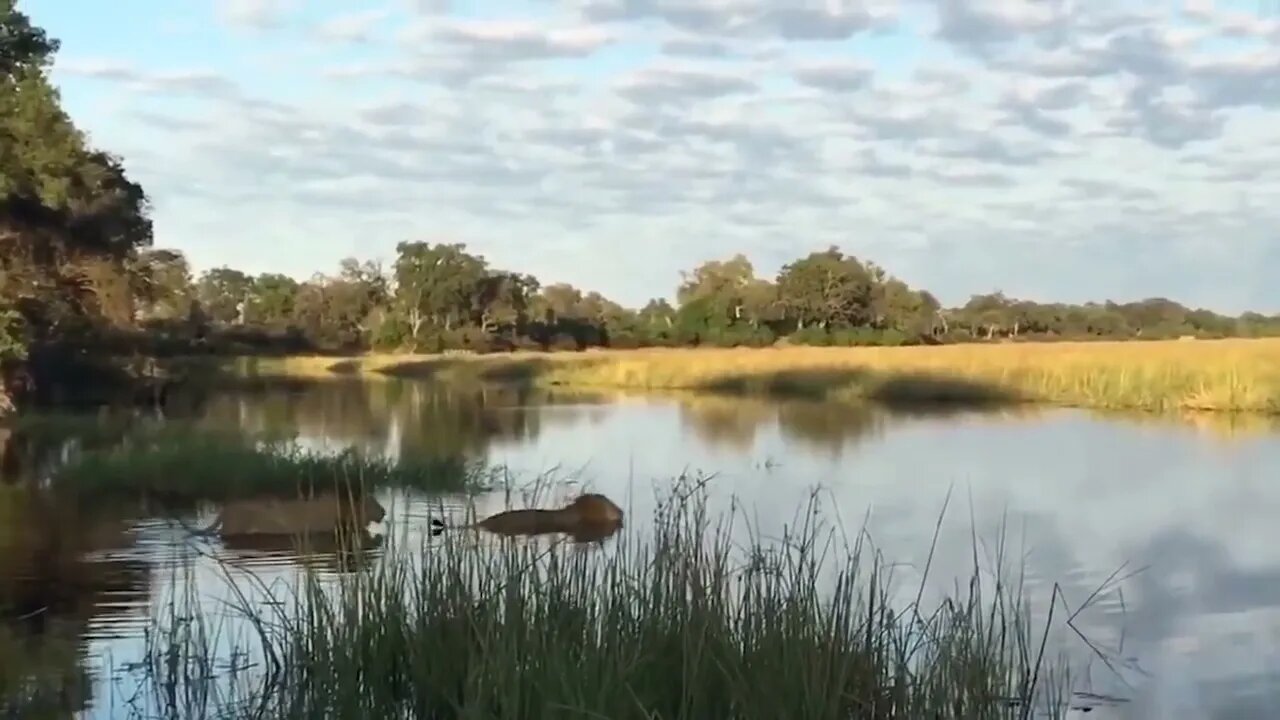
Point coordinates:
[(214, 466)]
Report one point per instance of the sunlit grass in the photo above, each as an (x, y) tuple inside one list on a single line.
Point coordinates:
[(1204, 375), (681, 624)]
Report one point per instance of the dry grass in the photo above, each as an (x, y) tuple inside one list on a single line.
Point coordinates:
[(1221, 375)]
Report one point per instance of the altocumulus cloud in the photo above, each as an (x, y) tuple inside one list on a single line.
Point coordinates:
[(1051, 149)]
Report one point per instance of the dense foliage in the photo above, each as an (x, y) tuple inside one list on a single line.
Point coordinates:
[(72, 224), (441, 297), (78, 273)]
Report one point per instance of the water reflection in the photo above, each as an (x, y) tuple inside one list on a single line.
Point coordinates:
[(1195, 633), (330, 552), (67, 575), (397, 417)]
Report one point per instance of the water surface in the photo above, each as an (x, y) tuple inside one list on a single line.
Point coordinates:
[(1080, 496)]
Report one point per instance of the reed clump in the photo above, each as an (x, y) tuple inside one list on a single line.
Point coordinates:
[(213, 466), (681, 625)]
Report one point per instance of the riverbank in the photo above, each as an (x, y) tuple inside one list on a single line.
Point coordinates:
[(1205, 375)]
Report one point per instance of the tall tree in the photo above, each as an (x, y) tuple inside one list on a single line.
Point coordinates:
[(827, 289), (719, 285), (269, 299), (162, 284), (224, 294), (436, 284)]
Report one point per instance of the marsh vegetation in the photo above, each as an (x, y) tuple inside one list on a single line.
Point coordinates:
[(682, 623), (1224, 375)]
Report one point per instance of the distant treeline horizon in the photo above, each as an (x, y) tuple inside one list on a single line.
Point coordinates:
[(437, 297)]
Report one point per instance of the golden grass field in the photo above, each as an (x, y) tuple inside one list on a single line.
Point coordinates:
[(1202, 375)]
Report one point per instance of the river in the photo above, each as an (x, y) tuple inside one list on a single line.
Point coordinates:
[(1181, 509)]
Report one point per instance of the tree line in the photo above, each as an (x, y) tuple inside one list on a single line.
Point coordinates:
[(440, 297), (80, 277)]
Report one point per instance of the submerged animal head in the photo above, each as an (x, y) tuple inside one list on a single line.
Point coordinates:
[(597, 509), (372, 509)]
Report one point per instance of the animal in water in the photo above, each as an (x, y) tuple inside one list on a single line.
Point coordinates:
[(322, 513), (590, 517)]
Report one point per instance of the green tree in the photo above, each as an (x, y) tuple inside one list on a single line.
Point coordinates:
[(826, 289), (224, 294), (503, 300), (437, 284), (22, 45), (162, 284), (71, 221), (269, 299)]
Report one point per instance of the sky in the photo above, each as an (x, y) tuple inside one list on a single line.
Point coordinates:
[(1051, 149)]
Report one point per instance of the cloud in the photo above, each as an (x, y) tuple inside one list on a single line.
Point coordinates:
[(355, 27), (696, 47), (1054, 149), (683, 85), (520, 40), (781, 19), (834, 76), (256, 14), (157, 82)]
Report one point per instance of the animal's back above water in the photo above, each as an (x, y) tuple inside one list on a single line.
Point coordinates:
[(587, 512)]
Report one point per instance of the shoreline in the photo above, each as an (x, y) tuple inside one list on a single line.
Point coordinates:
[(1228, 376)]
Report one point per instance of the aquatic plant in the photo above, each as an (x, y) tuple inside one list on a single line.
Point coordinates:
[(178, 464), (674, 623)]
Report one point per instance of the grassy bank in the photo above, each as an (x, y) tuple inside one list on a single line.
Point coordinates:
[(1204, 375), (683, 624)]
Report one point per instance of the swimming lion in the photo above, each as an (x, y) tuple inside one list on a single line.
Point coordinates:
[(323, 513), (590, 517)]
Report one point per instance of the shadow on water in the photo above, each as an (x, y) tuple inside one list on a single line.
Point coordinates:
[(914, 390), (508, 370)]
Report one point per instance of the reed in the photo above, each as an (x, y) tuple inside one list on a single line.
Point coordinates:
[(683, 624), (182, 465), (1235, 375)]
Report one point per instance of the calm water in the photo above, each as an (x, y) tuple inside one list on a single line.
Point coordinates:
[(1195, 634)]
